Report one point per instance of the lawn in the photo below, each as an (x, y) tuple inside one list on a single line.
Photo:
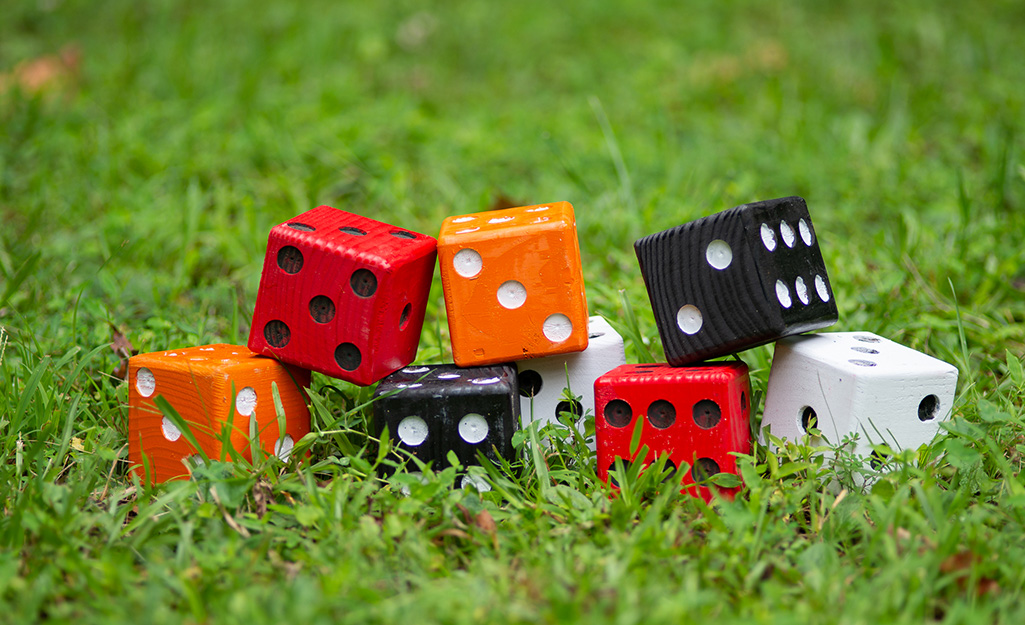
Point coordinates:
[(146, 149)]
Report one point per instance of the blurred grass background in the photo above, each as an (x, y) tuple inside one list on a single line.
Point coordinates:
[(147, 148)]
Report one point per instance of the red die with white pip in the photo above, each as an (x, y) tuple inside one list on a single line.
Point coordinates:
[(697, 415), (343, 294)]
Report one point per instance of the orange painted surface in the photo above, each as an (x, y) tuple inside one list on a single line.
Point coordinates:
[(513, 284), (197, 382)]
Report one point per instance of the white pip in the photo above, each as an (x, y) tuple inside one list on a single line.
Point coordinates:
[(543, 380)]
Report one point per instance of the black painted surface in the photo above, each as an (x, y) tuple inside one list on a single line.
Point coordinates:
[(442, 403), (739, 304)]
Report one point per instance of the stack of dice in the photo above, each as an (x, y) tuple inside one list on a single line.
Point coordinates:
[(340, 294), (520, 334), (345, 296), (738, 279)]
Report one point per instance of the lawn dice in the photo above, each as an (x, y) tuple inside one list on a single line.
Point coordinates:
[(215, 388), (697, 415), (543, 381), (343, 295), (856, 382), (513, 284), (737, 279), (433, 409)]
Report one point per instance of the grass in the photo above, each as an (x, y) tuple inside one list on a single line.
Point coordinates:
[(137, 188)]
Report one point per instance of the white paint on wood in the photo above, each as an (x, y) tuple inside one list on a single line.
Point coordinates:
[(858, 382), (802, 290), (557, 327), (473, 428), (170, 430), (719, 254), (820, 287), (768, 237), (467, 262), (787, 232), (689, 319), (283, 448), (783, 294), (477, 481), (145, 382), (512, 294), (245, 401), (412, 430), (576, 371), (805, 231)]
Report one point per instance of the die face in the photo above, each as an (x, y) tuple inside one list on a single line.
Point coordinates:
[(787, 256), (343, 294), (847, 382), (513, 284), (433, 409), (543, 381), (212, 387), (716, 287), (698, 415), (151, 434)]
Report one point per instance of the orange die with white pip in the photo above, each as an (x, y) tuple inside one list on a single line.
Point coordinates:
[(217, 390), (513, 284)]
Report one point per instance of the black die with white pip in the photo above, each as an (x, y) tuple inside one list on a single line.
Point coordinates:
[(740, 278), (430, 410)]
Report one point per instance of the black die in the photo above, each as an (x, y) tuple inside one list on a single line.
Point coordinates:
[(735, 280), (433, 409)]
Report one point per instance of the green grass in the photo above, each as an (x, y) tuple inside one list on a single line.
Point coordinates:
[(138, 195)]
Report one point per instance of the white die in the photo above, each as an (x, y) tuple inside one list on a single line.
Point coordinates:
[(546, 377), (857, 382)]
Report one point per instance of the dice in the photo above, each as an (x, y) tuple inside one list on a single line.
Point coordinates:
[(434, 409), (513, 284), (543, 381), (698, 415), (737, 279), (857, 382), (217, 390), (343, 295)]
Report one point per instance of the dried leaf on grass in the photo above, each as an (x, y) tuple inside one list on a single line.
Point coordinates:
[(451, 531), (961, 565), (482, 521), (486, 523), (47, 74), (124, 349), (262, 494)]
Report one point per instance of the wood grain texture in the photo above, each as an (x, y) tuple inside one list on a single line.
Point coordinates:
[(442, 396), (535, 246), (351, 291), (697, 395), (858, 382), (740, 304), (198, 383)]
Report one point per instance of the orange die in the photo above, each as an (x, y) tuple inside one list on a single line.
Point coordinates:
[(513, 284), (197, 382)]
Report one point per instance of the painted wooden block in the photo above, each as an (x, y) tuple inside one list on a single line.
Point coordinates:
[(543, 381), (735, 280), (343, 294), (699, 415), (213, 388), (847, 382), (433, 409), (513, 284)]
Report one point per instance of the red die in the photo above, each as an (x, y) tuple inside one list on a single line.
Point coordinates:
[(342, 294), (697, 415)]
